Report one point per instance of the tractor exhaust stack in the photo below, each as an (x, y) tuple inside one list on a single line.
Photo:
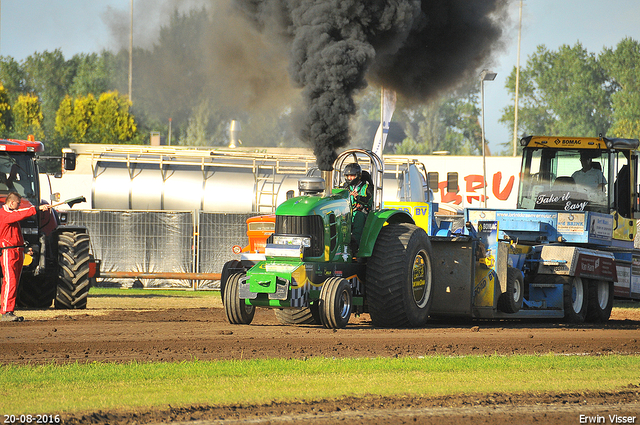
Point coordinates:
[(327, 175)]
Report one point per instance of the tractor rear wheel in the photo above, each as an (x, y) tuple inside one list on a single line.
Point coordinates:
[(73, 270), (298, 316), (238, 313), (600, 301), (511, 301), (336, 301), (399, 284), (575, 297), (35, 291)]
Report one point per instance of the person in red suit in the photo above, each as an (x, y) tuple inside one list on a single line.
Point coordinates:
[(12, 249)]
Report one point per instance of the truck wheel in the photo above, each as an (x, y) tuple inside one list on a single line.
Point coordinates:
[(600, 301), (35, 291), (399, 284), (298, 316), (238, 313), (511, 301), (575, 300), (335, 303), (73, 270), (229, 267)]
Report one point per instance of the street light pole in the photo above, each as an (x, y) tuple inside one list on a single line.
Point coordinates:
[(484, 76)]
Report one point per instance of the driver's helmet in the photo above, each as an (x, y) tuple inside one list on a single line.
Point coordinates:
[(352, 169)]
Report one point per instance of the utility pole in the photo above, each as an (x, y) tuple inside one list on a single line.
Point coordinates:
[(131, 54), (515, 111)]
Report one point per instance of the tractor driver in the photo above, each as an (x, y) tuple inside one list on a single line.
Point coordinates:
[(361, 199)]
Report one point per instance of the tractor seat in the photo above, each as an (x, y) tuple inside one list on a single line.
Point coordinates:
[(564, 181)]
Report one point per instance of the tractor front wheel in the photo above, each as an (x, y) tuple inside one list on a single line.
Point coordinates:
[(238, 313), (230, 267), (73, 274), (336, 301)]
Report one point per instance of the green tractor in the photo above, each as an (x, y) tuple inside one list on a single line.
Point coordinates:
[(313, 273)]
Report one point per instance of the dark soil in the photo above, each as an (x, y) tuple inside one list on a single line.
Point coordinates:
[(156, 331)]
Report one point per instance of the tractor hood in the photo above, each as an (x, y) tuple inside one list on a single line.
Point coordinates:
[(315, 205)]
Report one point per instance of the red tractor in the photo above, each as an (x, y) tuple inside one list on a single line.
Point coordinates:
[(61, 267)]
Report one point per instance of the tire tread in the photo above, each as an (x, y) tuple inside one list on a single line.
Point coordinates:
[(73, 281), (387, 275)]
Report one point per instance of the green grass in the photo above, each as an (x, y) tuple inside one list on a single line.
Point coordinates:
[(74, 388), (97, 291), (632, 305)]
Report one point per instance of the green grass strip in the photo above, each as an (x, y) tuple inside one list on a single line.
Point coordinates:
[(74, 388)]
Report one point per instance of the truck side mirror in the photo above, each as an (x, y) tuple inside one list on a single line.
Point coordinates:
[(68, 159)]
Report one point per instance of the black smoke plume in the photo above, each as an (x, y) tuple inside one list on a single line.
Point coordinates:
[(418, 48)]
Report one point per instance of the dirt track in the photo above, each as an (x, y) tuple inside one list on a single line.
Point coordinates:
[(159, 328)]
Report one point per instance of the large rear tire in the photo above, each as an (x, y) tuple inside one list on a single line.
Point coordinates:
[(73, 270), (35, 291), (600, 301), (336, 302), (511, 301), (575, 300), (399, 286), (238, 313)]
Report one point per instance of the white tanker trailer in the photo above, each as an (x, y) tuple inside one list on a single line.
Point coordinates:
[(138, 177), (233, 183)]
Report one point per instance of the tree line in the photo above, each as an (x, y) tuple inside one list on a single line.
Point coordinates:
[(569, 92), (84, 99), (577, 93), (62, 101)]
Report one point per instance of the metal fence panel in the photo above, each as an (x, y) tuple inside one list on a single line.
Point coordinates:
[(144, 241), (217, 234), (163, 241)]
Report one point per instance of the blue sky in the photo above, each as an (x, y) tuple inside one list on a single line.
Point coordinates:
[(79, 26), (594, 23)]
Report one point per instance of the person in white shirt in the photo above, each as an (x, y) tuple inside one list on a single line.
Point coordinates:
[(589, 176)]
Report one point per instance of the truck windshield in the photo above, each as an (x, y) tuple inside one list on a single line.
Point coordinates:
[(17, 174), (564, 179)]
